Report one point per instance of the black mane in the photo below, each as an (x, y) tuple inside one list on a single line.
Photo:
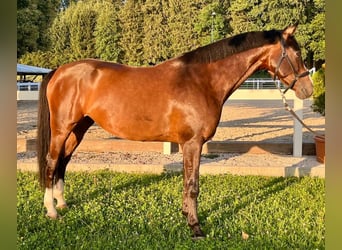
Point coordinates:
[(229, 46)]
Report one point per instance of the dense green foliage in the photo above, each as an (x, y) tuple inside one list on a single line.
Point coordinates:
[(279, 13), (318, 95), (142, 32), (34, 18), (130, 211)]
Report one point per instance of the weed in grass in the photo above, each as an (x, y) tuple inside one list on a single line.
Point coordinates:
[(135, 211)]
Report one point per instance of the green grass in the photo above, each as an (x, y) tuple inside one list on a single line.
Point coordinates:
[(130, 211)]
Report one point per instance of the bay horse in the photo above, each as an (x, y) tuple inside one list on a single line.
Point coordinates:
[(179, 100)]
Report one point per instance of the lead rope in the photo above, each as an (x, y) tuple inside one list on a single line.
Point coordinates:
[(293, 113)]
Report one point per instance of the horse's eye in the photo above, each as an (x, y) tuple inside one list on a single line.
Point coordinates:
[(297, 53)]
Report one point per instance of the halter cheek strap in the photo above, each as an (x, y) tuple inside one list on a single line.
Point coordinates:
[(285, 56)]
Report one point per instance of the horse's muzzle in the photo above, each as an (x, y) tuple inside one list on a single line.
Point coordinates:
[(304, 92)]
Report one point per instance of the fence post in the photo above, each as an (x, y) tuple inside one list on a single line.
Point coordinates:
[(298, 128), (170, 147)]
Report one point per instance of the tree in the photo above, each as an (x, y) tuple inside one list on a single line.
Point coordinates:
[(183, 16), (277, 14), (72, 33), (22, 4), (131, 23), (86, 29), (64, 4), (317, 32), (34, 17), (156, 40), (269, 14), (245, 16), (141, 32), (318, 96), (60, 39), (82, 20), (40, 59), (108, 33), (27, 31), (212, 23), (48, 11)]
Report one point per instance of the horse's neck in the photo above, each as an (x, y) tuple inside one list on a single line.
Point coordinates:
[(228, 74)]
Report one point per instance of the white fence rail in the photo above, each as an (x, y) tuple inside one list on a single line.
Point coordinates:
[(261, 83), (28, 86), (27, 90), (250, 83)]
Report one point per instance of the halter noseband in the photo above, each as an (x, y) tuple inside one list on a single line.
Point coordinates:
[(285, 56)]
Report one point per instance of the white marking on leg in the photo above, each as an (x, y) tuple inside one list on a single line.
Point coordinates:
[(48, 203), (58, 191)]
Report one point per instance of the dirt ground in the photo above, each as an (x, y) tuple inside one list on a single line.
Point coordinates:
[(265, 121)]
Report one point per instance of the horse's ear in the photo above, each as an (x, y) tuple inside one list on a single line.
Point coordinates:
[(289, 31)]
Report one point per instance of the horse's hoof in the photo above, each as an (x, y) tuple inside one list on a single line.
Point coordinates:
[(198, 233), (52, 216), (198, 237), (62, 206)]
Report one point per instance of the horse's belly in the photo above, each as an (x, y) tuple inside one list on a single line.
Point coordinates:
[(174, 123), (137, 127)]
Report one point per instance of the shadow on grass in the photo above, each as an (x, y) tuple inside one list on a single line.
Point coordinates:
[(272, 187), (105, 185)]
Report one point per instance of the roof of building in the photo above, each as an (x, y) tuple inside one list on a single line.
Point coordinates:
[(23, 69)]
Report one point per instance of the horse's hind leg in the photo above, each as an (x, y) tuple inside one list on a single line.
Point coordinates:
[(53, 157), (62, 146), (71, 144)]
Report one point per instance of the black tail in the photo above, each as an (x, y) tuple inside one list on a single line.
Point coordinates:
[(43, 136)]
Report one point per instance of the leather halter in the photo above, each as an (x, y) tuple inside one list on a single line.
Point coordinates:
[(285, 56)]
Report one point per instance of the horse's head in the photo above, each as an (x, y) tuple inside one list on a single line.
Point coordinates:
[(286, 63)]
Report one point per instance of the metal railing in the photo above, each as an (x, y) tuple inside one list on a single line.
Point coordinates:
[(250, 83), (28, 86), (260, 83)]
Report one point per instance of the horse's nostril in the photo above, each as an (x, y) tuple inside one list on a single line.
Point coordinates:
[(306, 92)]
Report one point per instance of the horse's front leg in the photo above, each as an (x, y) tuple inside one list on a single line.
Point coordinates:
[(191, 161)]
